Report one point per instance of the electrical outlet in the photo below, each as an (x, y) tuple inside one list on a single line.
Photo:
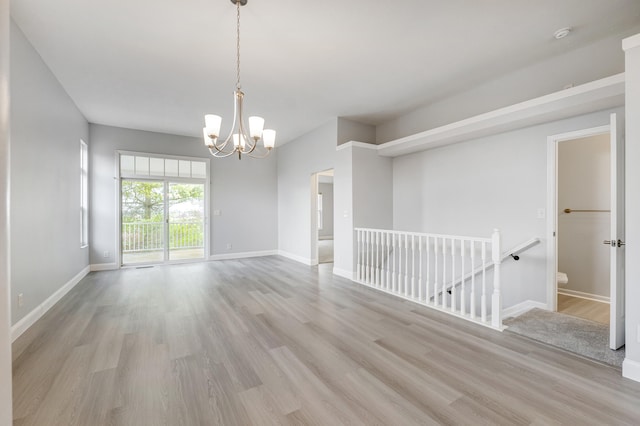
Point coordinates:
[(229, 246), (541, 214), (217, 213), (105, 254), (20, 300)]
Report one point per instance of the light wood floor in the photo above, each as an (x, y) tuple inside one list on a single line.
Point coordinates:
[(584, 308), (269, 341)]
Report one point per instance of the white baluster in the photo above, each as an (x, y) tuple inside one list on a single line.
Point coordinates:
[(436, 295), (393, 275), (428, 282), (420, 266), (377, 258), (413, 266), (472, 295), (453, 275), (405, 288), (387, 265), (463, 301), (496, 298), (359, 253), (400, 280), (483, 296), (443, 285)]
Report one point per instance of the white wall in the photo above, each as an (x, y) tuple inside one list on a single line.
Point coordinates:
[(343, 213), (584, 182), (473, 187), (598, 60), (297, 161), (349, 130), (326, 189), (631, 365), (245, 192), (363, 199), (46, 128), (6, 417), (372, 189)]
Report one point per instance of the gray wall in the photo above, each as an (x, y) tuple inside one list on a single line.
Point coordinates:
[(46, 128), (584, 182), (245, 192), (6, 417), (297, 161), (326, 189), (473, 187), (598, 60)]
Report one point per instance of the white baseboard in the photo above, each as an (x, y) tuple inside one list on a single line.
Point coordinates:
[(343, 273), (521, 308), (295, 257), (243, 255), (582, 295), (103, 267), (631, 369), (23, 325)]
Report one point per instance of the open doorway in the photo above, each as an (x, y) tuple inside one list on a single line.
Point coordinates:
[(584, 220), (322, 217), (586, 205)]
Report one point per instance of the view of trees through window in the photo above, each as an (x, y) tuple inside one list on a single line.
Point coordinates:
[(143, 220)]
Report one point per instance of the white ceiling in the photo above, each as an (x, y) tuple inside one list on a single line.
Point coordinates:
[(160, 65)]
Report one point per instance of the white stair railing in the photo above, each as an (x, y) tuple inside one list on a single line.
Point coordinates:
[(423, 268)]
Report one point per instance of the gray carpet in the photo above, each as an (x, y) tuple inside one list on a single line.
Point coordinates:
[(577, 335)]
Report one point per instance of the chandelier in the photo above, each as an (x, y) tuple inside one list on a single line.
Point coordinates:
[(242, 143)]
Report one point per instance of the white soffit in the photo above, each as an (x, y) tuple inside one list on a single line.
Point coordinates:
[(595, 96)]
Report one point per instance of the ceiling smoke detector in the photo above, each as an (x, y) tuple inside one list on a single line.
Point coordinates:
[(562, 33)]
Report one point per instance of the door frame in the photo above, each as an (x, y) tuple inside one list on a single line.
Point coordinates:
[(118, 202), (314, 184), (552, 202)]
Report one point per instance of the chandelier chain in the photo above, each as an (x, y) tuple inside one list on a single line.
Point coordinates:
[(238, 45)]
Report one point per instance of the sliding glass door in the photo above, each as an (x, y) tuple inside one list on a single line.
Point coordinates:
[(186, 220), (143, 211), (162, 221), (163, 208)]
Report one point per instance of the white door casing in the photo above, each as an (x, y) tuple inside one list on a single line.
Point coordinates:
[(617, 296)]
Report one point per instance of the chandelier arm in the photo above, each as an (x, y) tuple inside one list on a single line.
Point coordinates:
[(220, 149), (265, 155), (241, 128), (220, 154)]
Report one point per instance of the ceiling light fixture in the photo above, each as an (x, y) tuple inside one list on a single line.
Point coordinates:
[(562, 32), (243, 143)]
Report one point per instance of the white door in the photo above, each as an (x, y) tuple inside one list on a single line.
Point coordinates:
[(616, 338)]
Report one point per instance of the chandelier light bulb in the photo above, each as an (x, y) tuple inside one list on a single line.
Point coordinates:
[(269, 138)]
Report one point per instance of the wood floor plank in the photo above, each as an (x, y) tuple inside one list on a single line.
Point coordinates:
[(271, 341)]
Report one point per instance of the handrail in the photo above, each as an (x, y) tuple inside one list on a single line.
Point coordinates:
[(426, 234), (514, 252)]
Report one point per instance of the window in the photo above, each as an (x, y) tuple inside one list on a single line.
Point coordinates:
[(84, 194), (134, 165), (320, 211)]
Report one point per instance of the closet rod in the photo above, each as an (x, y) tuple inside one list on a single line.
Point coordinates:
[(582, 211)]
